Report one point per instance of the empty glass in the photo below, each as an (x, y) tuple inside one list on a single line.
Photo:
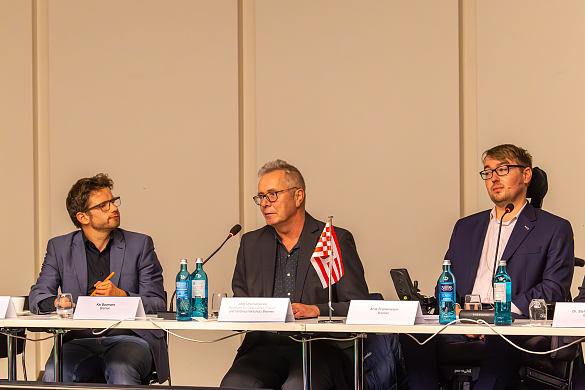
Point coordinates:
[(472, 302), (216, 299), (65, 305), (538, 313)]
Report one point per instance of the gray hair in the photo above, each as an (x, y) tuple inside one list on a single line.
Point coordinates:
[(293, 176)]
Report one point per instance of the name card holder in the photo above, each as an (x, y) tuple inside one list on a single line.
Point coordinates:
[(569, 315), (108, 308), (378, 312), (255, 310), (7, 309)]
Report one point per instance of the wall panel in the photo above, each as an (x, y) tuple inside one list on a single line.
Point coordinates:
[(363, 99)]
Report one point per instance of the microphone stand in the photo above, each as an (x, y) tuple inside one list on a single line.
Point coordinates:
[(330, 320), (509, 208)]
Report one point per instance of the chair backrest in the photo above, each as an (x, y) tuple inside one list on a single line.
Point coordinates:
[(538, 187)]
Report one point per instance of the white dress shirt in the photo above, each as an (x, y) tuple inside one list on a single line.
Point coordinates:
[(485, 271)]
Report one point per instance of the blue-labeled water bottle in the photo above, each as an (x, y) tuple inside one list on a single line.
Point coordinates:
[(183, 288), (199, 291), (446, 294), (502, 296)]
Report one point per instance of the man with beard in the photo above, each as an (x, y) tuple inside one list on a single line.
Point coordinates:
[(79, 263), (537, 246)]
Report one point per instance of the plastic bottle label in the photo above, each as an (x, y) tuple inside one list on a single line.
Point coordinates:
[(500, 292), (183, 290), (198, 288), (447, 294)]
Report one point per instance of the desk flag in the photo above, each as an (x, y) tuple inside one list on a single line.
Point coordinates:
[(327, 250)]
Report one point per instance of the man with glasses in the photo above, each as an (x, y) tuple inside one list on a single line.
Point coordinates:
[(274, 261), (79, 263), (538, 248)]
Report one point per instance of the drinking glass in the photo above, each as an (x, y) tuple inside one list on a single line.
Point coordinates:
[(216, 299), (472, 302), (537, 310), (65, 305)]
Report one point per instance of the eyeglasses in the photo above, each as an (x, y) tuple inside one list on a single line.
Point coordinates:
[(502, 170), (105, 206), (270, 196)]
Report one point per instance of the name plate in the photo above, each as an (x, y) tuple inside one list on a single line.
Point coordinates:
[(569, 315), (7, 309), (255, 310), (108, 308), (384, 313)]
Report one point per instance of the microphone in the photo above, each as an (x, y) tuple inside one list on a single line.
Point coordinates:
[(508, 209), (235, 230)]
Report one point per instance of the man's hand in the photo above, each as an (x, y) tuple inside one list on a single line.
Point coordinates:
[(64, 302), (108, 289), (305, 311)]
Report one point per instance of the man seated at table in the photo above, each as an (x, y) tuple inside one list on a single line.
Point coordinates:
[(537, 246), (78, 263), (274, 261)]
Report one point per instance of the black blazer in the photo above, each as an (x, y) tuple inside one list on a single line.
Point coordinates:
[(256, 265)]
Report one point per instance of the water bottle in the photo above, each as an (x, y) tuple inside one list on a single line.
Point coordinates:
[(199, 291), (183, 288), (502, 296), (446, 294)]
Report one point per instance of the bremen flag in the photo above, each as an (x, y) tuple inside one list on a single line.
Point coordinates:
[(327, 250)]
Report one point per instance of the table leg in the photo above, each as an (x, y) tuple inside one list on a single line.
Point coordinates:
[(358, 357), (11, 353), (58, 355), (306, 365)]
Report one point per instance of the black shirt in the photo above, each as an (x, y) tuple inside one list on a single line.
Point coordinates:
[(286, 269), (98, 263)]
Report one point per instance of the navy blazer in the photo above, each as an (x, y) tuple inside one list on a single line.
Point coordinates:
[(137, 271), (539, 255)]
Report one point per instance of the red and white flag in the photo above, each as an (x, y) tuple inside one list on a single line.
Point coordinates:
[(327, 250)]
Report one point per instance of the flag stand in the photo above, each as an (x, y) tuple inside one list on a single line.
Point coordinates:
[(330, 320)]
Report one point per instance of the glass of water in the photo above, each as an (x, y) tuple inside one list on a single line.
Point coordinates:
[(538, 313), (65, 305), (472, 302), (216, 303)]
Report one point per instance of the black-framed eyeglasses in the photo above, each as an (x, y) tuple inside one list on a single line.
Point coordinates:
[(270, 196), (502, 170), (105, 206)]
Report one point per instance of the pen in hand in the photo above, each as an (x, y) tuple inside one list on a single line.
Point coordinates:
[(108, 278)]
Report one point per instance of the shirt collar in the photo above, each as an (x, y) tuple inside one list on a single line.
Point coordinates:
[(90, 245), (493, 215)]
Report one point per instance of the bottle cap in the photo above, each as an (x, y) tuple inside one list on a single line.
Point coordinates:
[(183, 261), (502, 262), (199, 260), (446, 262)]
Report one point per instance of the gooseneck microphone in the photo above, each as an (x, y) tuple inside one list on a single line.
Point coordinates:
[(509, 208), (235, 230)]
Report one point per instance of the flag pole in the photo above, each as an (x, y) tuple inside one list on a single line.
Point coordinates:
[(330, 320), (330, 261)]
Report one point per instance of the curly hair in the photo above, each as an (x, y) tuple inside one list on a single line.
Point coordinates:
[(78, 196)]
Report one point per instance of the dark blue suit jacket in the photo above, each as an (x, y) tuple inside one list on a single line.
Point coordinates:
[(539, 256), (137, 271)]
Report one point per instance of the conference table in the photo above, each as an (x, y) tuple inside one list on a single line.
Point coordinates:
[(305, 329)]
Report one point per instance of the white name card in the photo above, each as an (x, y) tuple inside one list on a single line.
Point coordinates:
[(569, 315), (7, 309), (108, 308), (384, 313), (255, 310)]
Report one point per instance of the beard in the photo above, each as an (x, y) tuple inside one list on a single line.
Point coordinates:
[(108, 225)]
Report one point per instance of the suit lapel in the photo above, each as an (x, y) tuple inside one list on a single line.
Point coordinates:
[(309, 238), (522, 229), (478, 240), (117, 255), (79, 261), (268, 261)]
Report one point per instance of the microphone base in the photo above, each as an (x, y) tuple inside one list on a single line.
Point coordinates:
[(167, 315), (486, 315)]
